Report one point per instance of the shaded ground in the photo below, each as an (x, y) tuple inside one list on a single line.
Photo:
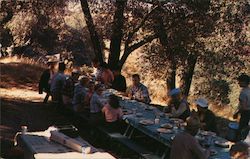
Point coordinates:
[(15, 113)]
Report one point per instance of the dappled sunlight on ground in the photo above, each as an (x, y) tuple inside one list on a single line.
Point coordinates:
[(23, 94)]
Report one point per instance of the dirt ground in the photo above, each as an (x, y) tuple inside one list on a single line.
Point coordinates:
[(15, 113)]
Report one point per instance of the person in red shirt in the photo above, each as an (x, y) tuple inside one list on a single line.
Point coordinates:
[(107, 76)]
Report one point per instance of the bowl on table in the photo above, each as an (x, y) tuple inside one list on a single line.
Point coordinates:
[(176, 121), (146, 122), (166, 126), (164, 131)]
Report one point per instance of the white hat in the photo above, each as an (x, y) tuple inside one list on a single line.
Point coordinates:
[(202, 102), (175, 91)]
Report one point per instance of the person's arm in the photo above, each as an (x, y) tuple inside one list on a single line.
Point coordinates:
[(198, 151), (42, 82), (129, 92), (144, 96), (179, 111)]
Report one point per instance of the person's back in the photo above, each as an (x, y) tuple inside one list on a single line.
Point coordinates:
[(245, 96), (107, 77), (210, 120), (57, 84), (79, 96), (119, 83), (111, 114), (185, 146)]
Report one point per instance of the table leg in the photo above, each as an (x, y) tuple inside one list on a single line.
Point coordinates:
[(127, 130)]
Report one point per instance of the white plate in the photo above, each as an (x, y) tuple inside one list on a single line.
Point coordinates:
[(222, 143), (207, 133)]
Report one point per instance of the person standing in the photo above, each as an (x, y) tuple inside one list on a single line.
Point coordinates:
[(244, 104), (57, 85), (119, 82), (45, 79), (138, 91)]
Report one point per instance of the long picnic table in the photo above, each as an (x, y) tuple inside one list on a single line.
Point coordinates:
[(141, 111)]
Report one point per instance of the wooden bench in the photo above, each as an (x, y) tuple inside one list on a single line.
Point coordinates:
[(130, 144)]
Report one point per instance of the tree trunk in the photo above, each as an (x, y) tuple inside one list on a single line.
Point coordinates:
[(171, 77), (117, 34), (187, 74), (161, 32), (93, 33)]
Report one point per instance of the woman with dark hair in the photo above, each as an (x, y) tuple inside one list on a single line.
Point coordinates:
[(112, 112)]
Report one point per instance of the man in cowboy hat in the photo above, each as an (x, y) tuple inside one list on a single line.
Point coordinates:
[(46, 77), (206, 116), (185, 145)]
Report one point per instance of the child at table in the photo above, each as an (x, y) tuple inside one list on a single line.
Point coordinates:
[(112, 113)]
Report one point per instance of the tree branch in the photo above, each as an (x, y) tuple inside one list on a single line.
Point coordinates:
[(130, 49)]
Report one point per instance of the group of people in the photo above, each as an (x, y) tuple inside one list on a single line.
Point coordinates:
[(84, 94)]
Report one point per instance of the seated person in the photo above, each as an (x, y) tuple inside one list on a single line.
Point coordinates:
[(107, 76), (240, 150), (119, 82), (178, 106), (69, 86), (206, 116), (138, 91), (96, 105), (97, 69), (80, 93), (112, 112), (90, 92), (185, 145)]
